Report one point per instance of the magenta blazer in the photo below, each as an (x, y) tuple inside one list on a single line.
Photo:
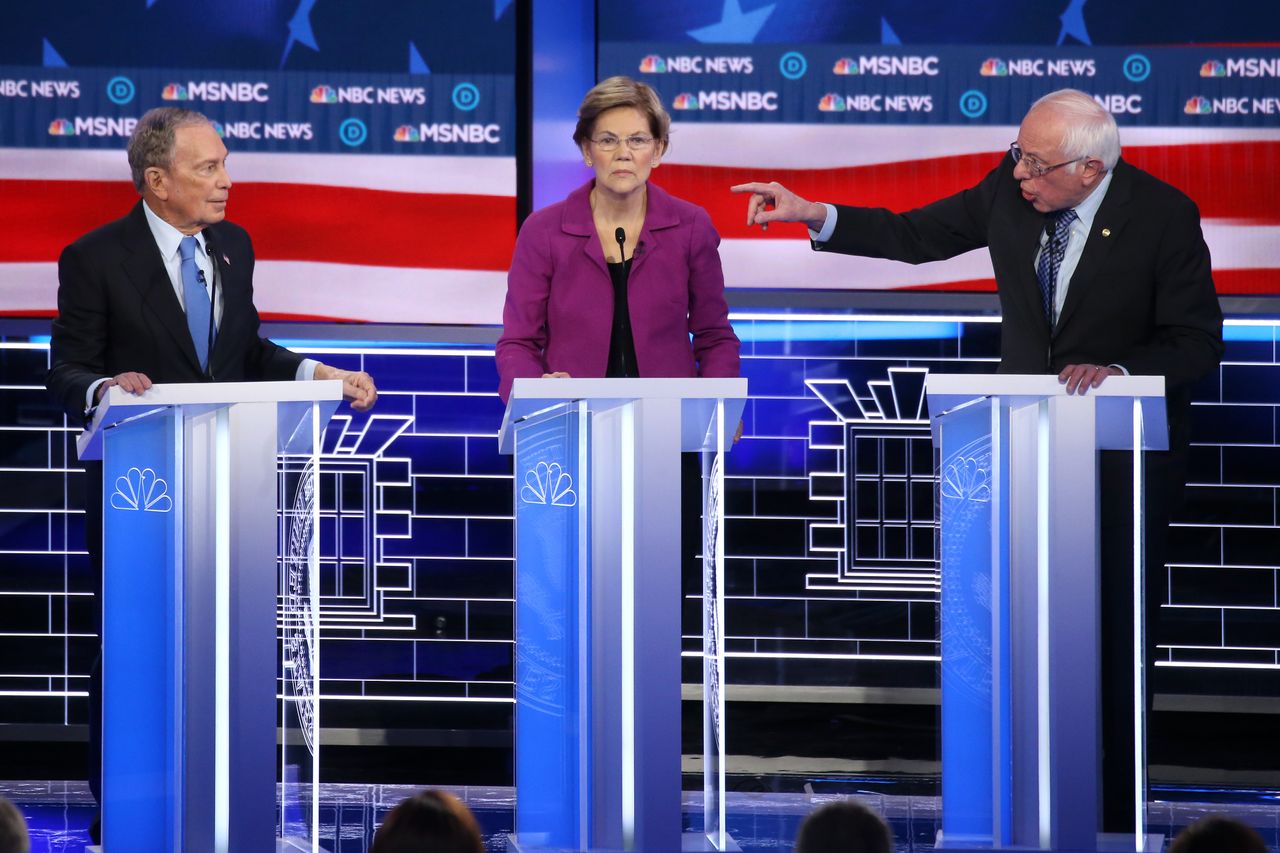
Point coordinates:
[(559, 310)]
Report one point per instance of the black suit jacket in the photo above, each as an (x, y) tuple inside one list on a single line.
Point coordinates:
[(117, 312), (1142, 295)]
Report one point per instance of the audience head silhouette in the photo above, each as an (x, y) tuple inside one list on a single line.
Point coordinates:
[(429, 822), (1218, 834), (13, 829), (845, 826)]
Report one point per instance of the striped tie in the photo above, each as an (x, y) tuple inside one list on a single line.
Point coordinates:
[(1058, 226)]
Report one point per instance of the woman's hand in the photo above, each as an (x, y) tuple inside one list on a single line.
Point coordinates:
[(559, 374)]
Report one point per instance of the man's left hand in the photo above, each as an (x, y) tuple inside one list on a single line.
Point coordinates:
[(1079, 378), (357, 386)]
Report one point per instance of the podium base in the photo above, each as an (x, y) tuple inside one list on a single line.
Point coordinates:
[(1108, 842), (283, 845), (690, 842)]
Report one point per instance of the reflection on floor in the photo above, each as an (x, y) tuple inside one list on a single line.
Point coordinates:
[(58, 813)]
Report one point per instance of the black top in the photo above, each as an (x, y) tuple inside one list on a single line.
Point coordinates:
[(622, 346)]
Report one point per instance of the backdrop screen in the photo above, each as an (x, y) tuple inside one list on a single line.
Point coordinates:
[(372, 144), (895, 104)]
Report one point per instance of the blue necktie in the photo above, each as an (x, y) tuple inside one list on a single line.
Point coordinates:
[(197, 299), (1058, 226)]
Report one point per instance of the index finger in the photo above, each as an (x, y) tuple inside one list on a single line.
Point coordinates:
[(753, 187)]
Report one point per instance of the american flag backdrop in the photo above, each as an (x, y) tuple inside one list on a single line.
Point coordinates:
[(1233, 174), (383, 238)]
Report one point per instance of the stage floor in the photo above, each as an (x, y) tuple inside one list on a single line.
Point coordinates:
[(58, 813)]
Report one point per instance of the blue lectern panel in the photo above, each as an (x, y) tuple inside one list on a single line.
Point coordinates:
[(968, 511), (551, 587), (141, 570)]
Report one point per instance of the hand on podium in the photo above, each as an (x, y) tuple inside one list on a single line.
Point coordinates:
[(132, 382), (357, 386), (1079, 378)]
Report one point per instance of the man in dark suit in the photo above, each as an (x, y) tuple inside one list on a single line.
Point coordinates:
[(1101, 269), (165, 295)]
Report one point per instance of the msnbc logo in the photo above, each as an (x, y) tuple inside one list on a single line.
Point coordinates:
[(1213, 68), (324, 95), (1198, 106), (844, 66), (175, 92), (407, 133), (684, 101), (653, 64), (61, 127), (831, 103), (994, 68), (217, 126)]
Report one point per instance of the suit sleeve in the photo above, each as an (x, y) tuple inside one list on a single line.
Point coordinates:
[(520, 351), (78, 346), (935, 232), (715, 346), (1187, 340)]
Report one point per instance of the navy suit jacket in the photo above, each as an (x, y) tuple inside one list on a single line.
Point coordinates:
[(1142, 295), (117, 312)]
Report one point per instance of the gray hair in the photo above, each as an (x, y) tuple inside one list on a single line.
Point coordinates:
[(1090, 130), (153, 139)]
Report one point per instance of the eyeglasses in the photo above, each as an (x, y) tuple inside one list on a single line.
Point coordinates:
[(609, 142), (1034, 166)]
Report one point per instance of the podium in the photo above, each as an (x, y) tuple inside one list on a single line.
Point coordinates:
[(190, 711), (1018, 493), (597, 530)]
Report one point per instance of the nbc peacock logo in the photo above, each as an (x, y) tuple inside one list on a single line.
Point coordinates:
[(685, 101), (218, 128), (407, 133), (323, 94), (1198, 106), (832, 103), (653, 64), (994, 68), (61, 127), (1213, 68), (845, 66), (175, 92)]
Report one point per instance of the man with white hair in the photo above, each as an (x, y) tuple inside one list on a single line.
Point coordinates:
[(1101, 269)]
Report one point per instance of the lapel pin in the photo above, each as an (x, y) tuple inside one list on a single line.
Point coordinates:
[(1106, 232)]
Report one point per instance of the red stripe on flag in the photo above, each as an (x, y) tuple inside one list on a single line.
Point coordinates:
[(288, 222), (1234, 181)]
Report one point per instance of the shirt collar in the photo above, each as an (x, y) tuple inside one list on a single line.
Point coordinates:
[(166, 236), (1088, 209)]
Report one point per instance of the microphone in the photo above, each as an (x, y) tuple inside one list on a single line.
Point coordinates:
[(620, 235)]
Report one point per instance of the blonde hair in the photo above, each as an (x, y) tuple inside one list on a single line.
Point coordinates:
[(622, 92)]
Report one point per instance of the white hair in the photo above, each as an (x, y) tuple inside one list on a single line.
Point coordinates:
[(1090, 130)]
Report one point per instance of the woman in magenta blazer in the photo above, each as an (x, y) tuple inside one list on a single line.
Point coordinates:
[(582, 303)]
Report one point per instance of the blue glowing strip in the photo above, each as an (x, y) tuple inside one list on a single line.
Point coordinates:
[(1253, 331), (845, 330)]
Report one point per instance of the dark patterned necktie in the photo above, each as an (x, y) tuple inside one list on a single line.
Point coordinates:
[(1058, 227)]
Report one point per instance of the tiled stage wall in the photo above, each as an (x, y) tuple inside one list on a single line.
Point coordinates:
[(831, 577)]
